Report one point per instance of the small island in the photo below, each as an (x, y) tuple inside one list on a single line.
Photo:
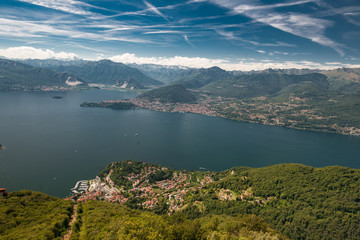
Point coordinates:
[(121, 104), (57, 97)]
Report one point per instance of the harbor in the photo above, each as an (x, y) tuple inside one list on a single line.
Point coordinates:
[(80, 187)]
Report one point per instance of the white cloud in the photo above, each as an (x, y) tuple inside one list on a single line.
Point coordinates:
[(26, 52), (35, 53), (245, 7), (333, 63), (163, 32), (260, 51), (243, 65), (70, 6), (194, 62)]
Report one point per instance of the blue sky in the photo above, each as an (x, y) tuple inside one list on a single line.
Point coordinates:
[(233, 34)]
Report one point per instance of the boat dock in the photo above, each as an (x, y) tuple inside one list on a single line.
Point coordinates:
[(80, 186)]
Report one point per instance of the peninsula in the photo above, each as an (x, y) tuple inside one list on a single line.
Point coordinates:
[(173, 98)]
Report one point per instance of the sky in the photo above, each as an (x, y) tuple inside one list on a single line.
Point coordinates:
[(231, 34)]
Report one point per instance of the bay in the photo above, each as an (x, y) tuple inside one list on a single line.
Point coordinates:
[(49, 144)]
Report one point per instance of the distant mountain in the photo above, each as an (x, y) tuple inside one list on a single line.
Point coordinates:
[(202, 77), (289, 71), (253, 85), (49, 63), (346, 80), (166, 74), (16, 76), (108, 72), (172, 93)]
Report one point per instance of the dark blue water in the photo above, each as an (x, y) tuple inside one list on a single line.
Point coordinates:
[(50, 144)]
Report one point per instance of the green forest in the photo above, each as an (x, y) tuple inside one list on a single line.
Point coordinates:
[(101, 220), (33, 215)]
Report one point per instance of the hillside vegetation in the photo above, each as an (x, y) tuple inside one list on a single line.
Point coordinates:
[(254, 85), (102, 220), (33, 215), (172, 93), (203, 77), (308, 203)]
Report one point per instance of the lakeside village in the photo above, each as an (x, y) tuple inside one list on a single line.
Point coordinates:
[(294, 112), (174, 192), (202, 107)]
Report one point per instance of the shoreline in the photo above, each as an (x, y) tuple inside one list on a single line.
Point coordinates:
[(204, 108)]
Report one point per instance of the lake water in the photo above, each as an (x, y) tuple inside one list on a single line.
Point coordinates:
[(52, 143)]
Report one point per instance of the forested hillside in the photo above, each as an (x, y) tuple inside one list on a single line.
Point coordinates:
[(102, 220), (172, 93), (33, 215)]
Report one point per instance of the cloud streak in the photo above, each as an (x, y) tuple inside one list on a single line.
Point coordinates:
[(33, 29), (188, 41), (69, 6), (153, 9), (301, 25)]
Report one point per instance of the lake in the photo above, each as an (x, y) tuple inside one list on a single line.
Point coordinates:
[(49, 144)]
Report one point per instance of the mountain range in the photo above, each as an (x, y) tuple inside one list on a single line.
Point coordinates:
[(16, 76), (101, 72), (111, 73)]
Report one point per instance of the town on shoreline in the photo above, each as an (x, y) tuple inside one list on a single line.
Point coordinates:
[(295, 113), (150, 186)]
